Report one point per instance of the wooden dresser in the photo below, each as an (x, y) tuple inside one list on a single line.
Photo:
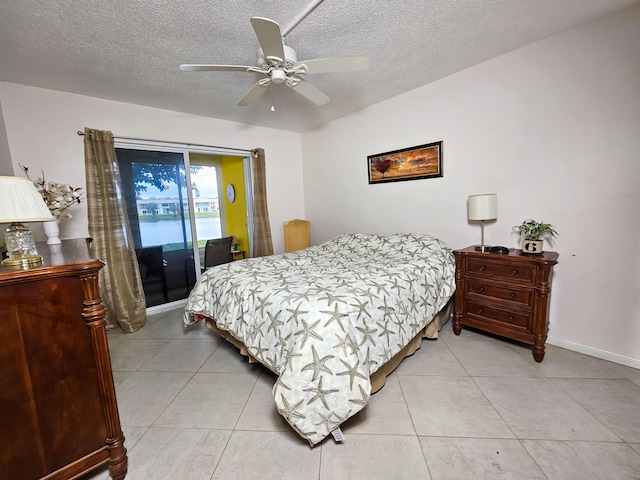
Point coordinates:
[(506, 295), (58, 412)]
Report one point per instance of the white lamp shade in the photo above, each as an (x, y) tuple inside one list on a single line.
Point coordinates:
[(483, 206), (20, 201)]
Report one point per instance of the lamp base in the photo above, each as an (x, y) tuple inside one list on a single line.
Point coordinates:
[(482, 248), (24, 262), (21, 247)]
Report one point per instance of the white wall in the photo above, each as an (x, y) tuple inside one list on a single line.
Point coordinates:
[(554, 129), (5, 157), (41, 129)]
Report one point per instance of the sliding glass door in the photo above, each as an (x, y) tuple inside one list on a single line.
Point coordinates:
[(173, 207)]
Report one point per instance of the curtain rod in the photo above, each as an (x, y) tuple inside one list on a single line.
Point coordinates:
[(116, 137)]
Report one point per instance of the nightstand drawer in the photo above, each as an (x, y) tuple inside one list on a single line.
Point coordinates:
[(473, 309), (519, 296), (506, 270)]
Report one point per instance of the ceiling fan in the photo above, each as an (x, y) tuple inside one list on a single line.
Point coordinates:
[(279, 64)]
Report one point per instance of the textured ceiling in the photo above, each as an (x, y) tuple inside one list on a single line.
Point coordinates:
[(129, 50)]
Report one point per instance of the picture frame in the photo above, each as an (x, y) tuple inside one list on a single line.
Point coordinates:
[(414, 163)]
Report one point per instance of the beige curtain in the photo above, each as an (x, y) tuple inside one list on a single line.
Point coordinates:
[(262, 243), (120, 284)]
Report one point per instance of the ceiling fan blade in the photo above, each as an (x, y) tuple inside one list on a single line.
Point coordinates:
[(270, 38), (335, 64), (311, 92), (252, 95), (189, 67)]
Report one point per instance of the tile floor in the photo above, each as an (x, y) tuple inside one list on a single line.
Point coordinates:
[(468, 407)]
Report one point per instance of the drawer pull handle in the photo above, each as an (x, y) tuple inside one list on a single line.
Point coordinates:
[(512, 295), (514, 272), (479, 311), (481, 289), (510, 319), (482, 267)]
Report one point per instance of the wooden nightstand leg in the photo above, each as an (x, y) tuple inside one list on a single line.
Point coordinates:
[(118, 461), (459, 296), (538, 350), (457, 325)]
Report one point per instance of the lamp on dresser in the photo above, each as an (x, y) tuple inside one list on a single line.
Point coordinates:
[(21, 202), (482, 207)]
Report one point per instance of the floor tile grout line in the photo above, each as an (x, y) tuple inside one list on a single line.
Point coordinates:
[(532, 458), (475, 379), (226, 445), (404, 398), (584, 407), (259, 373)]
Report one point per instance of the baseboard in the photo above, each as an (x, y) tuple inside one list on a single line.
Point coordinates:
[(594, 352)]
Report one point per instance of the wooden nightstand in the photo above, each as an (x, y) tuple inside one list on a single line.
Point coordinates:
[(505, 294)]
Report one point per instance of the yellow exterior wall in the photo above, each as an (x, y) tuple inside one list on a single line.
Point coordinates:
[(236, 212)]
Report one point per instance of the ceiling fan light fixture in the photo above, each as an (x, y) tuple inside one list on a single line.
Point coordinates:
[(278, 76)]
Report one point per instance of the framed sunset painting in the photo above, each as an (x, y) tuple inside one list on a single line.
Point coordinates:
[(423, 161)]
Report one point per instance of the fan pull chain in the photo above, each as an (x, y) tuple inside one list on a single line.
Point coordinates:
[(273, 108)]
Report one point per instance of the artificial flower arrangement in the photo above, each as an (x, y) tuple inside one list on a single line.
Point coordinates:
[(58, 196)]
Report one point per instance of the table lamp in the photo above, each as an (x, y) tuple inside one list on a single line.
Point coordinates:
[(20, 202), (482, 207)]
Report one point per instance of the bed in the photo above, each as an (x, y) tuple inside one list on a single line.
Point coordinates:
[(331, 321)]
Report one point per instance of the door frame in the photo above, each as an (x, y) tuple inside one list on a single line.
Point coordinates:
[(185, 149)]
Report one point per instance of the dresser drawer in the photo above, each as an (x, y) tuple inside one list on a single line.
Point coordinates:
[(483, 267), (513, 319), (519, 296)]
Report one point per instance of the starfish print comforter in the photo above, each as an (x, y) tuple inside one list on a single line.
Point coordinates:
[(325, 318)]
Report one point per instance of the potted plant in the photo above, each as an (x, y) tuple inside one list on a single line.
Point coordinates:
[(235, 243), (531, 233)]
